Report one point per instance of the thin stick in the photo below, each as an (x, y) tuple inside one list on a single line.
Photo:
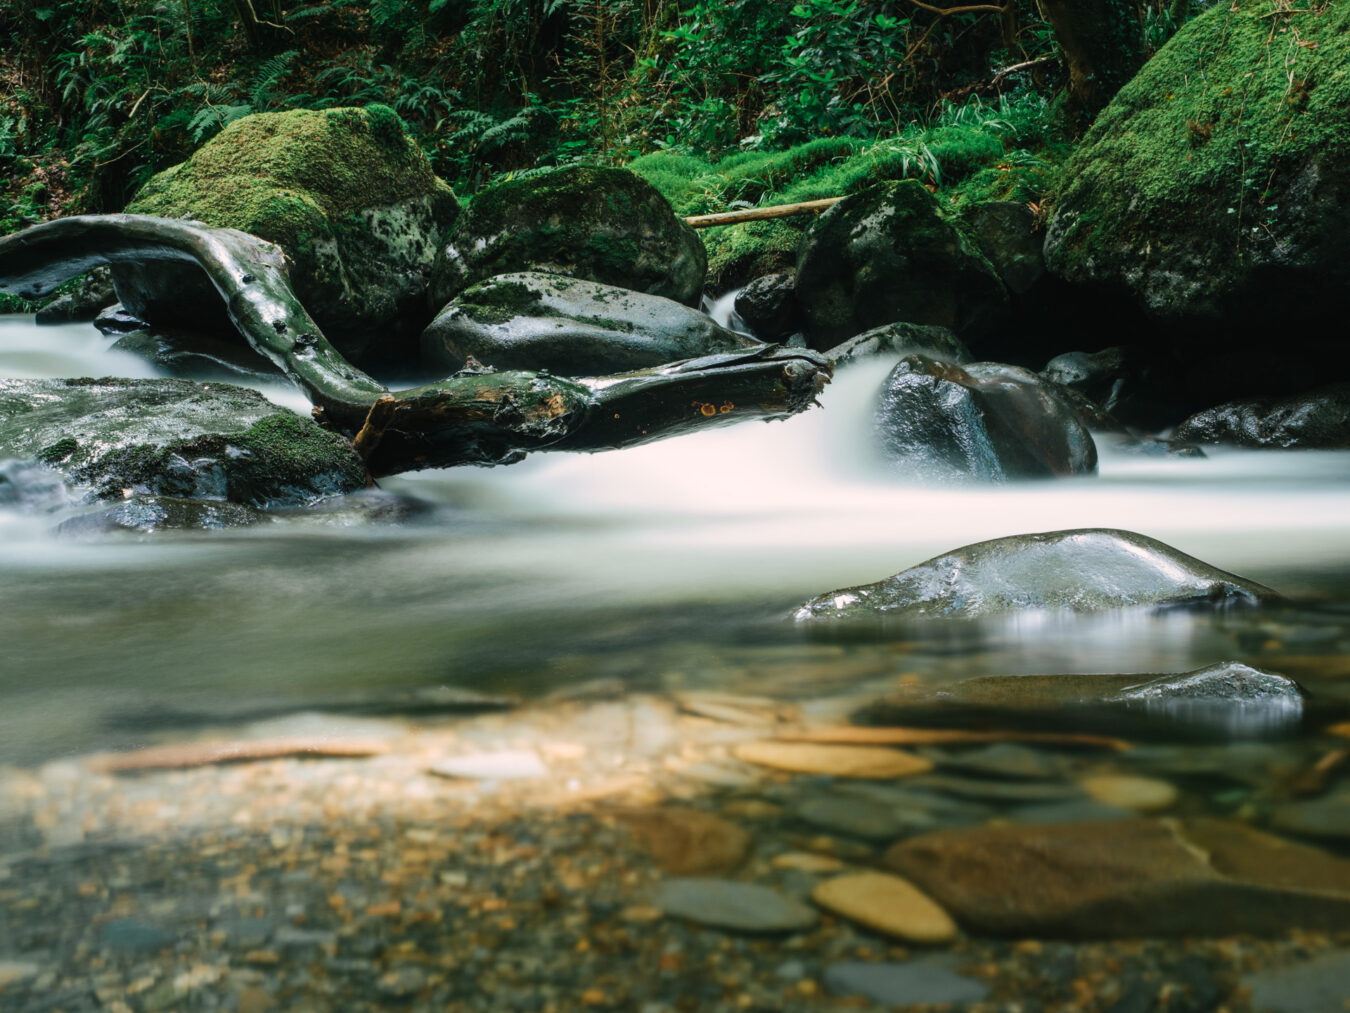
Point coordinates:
[(758, 214)]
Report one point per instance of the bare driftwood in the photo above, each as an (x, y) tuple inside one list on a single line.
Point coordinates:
[(806, 207), (473, 417)]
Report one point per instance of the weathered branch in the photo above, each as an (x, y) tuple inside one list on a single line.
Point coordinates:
[(759, 214), (473, 417)]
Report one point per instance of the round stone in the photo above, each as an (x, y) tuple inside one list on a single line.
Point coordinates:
[(1143, 794), (888, 904), (728, 904), (836, 761)]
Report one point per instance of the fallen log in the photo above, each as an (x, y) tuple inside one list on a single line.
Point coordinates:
[(477, 416), (807, 207)]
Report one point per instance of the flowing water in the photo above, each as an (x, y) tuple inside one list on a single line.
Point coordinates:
[(669, 565)]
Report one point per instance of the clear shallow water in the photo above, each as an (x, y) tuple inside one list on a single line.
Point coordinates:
[(679, 559)]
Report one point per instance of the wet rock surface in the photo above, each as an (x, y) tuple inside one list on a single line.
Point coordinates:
[(572, 327), (888, 254), (1227, 700), (1007, 235), (90, 296), (197, 355), (936, 343), (984, 421), (769, 306), (1318, 420), (600, 224), (1080, 570), (174, 438)]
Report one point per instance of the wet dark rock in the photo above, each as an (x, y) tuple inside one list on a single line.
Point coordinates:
[(1006, 233), (987, 421), (90, 295), (729, 904), (174, 438), (197, 354), (345, 192), (1069, 811), (905, 339), (1319, 420), (1146, 446), (1101, 376), (601, 224), (769, 306), (927, 980), (1082, 570), (1229, 699), (851, 816), (888, 254), (1127, 879), (569, 326), (117, 319)]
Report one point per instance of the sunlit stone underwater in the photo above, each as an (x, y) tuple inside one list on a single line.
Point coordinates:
[(547, 737)]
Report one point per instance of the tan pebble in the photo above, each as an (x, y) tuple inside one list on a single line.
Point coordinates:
[(804, 861), (254, 1000), (1145, 794), (838, 761), (752, 809), (686, 841), (594, 997), (888, 904), (641, 913)]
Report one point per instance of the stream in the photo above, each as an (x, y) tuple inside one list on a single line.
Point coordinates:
[(669, 567)]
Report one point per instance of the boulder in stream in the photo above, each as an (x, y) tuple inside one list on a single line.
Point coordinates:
[(570, 326), (88, 296), (1225, 700), (904, 339), (174, 438), (349, 197), (887, 254), (1318, 420), (985, 421), (769, 306), (601, 224), (1127, 879), (1080, 570)]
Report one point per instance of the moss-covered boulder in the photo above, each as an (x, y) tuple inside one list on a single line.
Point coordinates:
[(889, 254), (349, 197), (600, 224), (174, 438), (531, 320), (1216, 184)]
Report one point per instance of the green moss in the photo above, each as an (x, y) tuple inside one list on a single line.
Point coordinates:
[(58, 451), (283, 176), (496, 302), (739, 253), (284, 453), (1211, 132)]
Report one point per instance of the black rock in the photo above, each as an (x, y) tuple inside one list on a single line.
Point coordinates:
[(769, 306), (1319, 420)]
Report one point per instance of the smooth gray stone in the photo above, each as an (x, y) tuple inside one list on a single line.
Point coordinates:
[(928, 980), (1325, 818), (1082, 570), (1002, 759), (904, 339), (992, 790), (854, 817), (135, 936), (570, 326), (728, 904), (1321, 985)]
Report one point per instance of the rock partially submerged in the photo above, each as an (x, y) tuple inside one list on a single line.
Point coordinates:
[(986, 421), (936, 343), (572, 327), (889, 254), (1081, 570), (1229, 699), (174, 438), (602, 224), (1127, 878), (1317, 420)]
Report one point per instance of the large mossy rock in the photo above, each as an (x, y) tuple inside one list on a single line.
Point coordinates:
[(1216, 184), (1082, 570), (600, 224), (349, 197), (889, 254), (531, 320), (174, 438), (986, 421)]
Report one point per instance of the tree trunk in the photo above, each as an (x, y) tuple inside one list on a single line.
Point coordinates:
[(1103, 43)]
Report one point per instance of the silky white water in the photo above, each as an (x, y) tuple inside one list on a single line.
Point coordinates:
[(574, 566)]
